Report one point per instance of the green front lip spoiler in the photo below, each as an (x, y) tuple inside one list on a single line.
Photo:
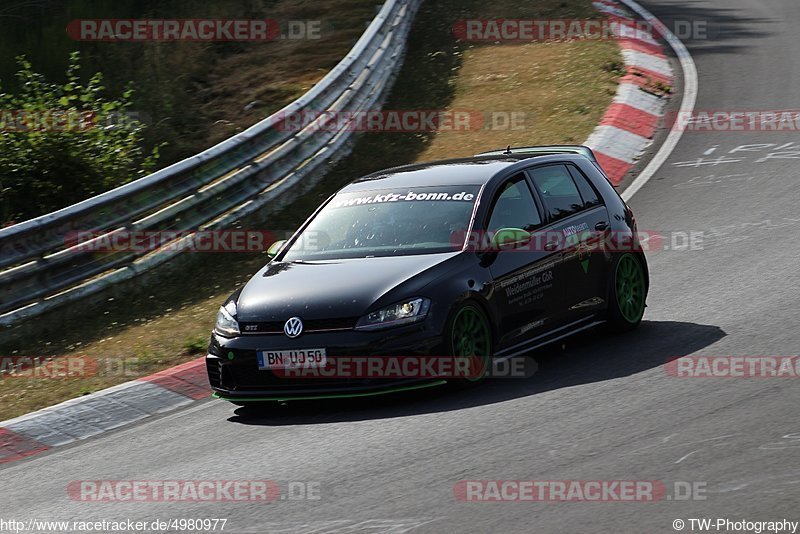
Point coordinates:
[(334, 396)]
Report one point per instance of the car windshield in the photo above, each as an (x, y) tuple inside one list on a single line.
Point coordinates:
[(394, 222)]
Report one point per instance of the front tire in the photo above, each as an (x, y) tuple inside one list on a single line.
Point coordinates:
[(469, 337), (628, 294)]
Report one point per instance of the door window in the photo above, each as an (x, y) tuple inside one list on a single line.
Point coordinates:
[(514, 207), (589, 195), (558, 190)]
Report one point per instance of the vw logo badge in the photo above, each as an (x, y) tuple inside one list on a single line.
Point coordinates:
[(293, 327)]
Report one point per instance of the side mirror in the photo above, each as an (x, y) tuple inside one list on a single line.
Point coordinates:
[(274, 248), (510, 239)]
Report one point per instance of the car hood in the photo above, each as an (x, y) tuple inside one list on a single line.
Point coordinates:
[(331, 289)]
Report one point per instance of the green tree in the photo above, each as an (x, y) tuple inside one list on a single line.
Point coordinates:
[(63, 143)]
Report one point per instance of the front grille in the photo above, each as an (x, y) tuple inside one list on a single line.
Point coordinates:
[(314, 325), (214, 368)]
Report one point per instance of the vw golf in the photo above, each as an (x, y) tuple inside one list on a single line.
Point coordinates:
[(470, 260)]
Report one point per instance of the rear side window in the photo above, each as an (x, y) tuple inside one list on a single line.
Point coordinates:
[(514, 207), (558, 190), (589, 195)]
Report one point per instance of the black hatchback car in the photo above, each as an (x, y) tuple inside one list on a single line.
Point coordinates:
[(405, 271)]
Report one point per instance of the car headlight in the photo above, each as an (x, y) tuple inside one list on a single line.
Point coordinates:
[(226, 324), (406, 312)]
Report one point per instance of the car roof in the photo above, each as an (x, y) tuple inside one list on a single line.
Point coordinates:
[(473, 171)]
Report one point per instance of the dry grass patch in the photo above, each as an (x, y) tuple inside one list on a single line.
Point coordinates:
[(560, 91)]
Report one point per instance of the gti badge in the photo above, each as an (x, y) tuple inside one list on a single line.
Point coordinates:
[(293, 327)]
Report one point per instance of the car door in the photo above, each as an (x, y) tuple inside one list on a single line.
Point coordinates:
[(576, 216), (523, 295)]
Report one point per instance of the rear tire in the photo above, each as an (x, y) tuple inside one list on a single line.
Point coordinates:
[(469, 336), (628, 294)]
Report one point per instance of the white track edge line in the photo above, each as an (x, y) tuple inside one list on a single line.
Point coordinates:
[(690, 90)]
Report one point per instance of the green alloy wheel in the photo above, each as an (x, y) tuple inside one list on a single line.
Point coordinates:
[(630, 291), (471, 337)]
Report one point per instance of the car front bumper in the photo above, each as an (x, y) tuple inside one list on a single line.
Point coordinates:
[(234, 374)]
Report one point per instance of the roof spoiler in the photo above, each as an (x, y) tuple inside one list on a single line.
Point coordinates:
[(581, 150)]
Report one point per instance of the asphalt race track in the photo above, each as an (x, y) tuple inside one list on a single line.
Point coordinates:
[(604, 409)]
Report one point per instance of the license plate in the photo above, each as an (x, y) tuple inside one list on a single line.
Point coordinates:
[(291, 359)]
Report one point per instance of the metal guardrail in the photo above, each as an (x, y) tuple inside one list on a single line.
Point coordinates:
[(40, 269)]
